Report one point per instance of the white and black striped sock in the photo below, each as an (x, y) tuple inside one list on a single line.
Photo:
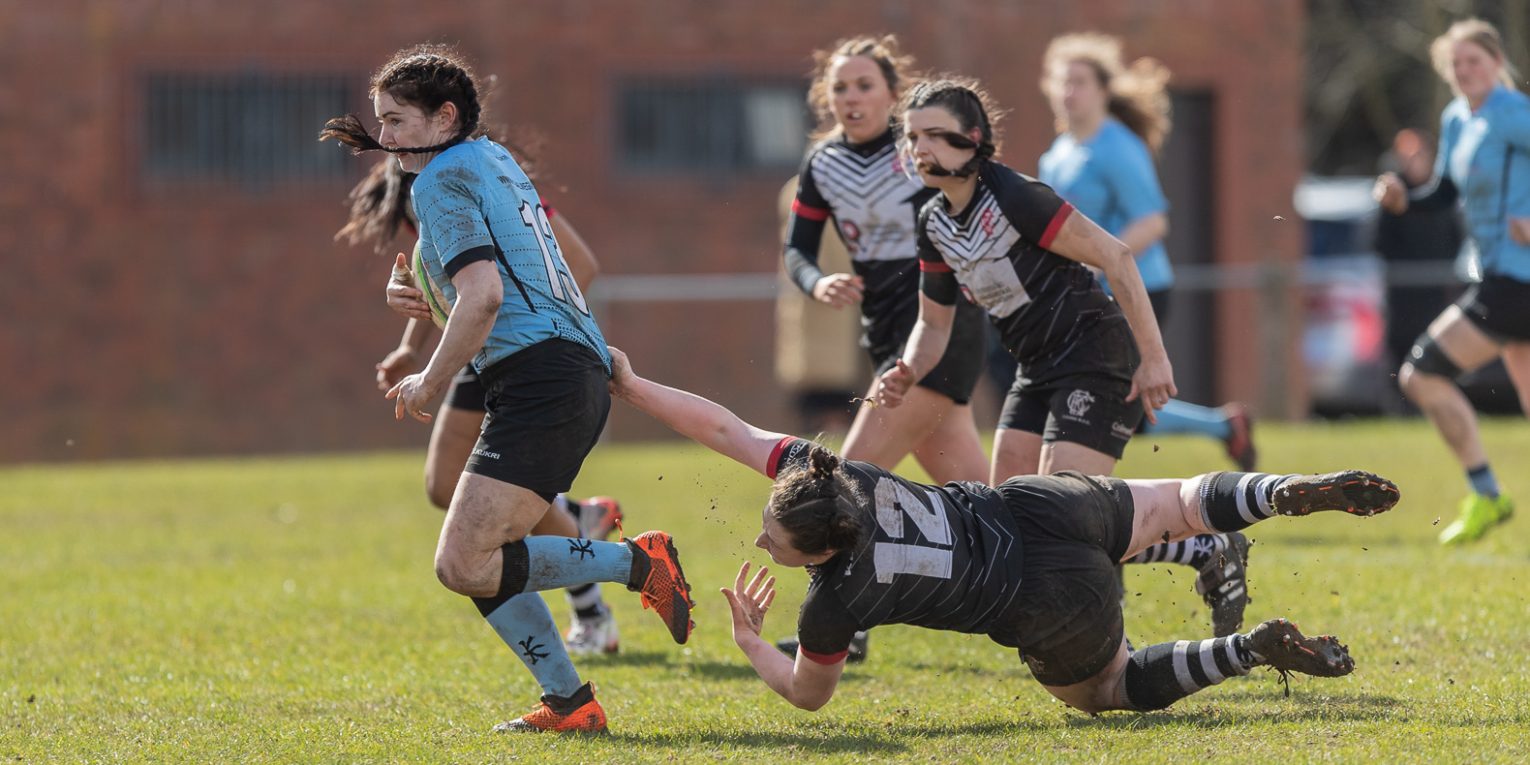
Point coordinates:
[(1159, 675), (1195, 552), (1235, 501), (586, 601)]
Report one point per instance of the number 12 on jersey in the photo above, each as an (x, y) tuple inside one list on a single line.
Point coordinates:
[(894, 501), (559, 280)]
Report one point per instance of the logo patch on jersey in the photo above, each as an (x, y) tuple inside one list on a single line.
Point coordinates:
[(1079, 402), (987, 221), (797, 451), (851, 233)]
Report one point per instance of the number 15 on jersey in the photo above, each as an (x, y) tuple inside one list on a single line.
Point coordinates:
[(559, 279)]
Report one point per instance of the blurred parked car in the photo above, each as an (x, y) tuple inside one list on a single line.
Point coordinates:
[(1343, 342)]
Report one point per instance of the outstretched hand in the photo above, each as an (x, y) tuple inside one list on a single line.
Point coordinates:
[(750, 602)]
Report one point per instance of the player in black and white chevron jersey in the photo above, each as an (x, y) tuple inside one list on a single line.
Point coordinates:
[(1018, 250), (854, 176), (1030, 563)]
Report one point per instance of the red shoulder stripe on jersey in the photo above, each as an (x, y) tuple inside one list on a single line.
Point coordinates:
[(775, 455), (1055, 226), (811, 213), (825, 659), (933, 267)]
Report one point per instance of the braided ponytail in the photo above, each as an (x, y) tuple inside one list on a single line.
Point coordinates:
[(427, 76), (817, 504)]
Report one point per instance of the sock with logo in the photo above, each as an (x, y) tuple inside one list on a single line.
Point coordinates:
[(526, 624), (1195, 552)]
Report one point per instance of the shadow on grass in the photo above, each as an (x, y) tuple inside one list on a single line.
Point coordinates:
[(671, 662), (1221, 711), (827, 737), (973, 670), (891, 737), (631, 659)]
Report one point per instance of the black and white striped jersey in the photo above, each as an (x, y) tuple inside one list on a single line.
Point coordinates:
[(1043, 303), (944, 557), (874, 205)]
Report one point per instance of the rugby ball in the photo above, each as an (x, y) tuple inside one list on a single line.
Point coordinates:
[(440, 309)]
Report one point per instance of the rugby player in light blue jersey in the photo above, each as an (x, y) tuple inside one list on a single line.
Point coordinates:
[(380, 213), (1484, 165), (517, 315)]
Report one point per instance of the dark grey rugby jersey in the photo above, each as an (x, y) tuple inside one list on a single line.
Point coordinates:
[(875, 206), (943, 557), (1043, 303)]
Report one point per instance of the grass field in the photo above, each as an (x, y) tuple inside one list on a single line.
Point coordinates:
[(285, 610)]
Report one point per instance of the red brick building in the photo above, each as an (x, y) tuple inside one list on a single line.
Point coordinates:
[(167, 222)]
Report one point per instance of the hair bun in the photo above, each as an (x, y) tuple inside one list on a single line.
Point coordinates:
[(823, 463)]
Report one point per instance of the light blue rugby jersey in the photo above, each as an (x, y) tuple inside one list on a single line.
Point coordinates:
[(1480, 152), (475, 195), (1111, 179)]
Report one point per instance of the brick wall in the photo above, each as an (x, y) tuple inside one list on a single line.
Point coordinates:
[(165, 320)]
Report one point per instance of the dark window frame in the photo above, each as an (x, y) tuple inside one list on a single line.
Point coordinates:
[(687, 125), (250, 129)]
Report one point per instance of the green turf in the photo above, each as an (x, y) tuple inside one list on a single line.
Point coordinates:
[(285, 610)]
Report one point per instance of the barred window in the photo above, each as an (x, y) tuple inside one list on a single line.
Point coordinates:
[(248, 128), (711, 126)]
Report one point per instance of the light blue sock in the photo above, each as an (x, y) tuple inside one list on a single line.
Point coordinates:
[(554, 562), (1483, 481), (526, 625), (1180, 417)]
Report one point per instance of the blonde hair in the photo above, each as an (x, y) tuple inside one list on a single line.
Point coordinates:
[(1137, 95), (1479, 33), (896, 67)]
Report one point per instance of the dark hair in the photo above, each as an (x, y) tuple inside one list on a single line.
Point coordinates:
[(896, 70), (1137, 95), (966, 100), (427, 76), (380, 202), (379, 206), (817, 504)]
